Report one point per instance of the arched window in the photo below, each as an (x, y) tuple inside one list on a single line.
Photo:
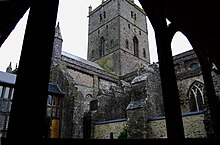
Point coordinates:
[(111, 43), (93, 53), (104, 14), (127, 44), (135, 41), (196, 96), (102, 46), (144, 52), (100, 17)]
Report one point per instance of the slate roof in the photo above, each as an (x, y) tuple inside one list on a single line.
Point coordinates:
[(81, 60), (54, 89), (7, 78)]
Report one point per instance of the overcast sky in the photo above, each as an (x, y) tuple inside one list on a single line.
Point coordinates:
[(72, 16)]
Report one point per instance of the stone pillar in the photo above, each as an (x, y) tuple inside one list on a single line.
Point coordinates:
[(136, 112), (146, 101)]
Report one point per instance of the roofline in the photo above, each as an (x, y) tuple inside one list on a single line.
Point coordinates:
[(107, 1)]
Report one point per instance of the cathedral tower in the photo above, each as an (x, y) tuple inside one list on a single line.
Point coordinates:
[(118, 37)]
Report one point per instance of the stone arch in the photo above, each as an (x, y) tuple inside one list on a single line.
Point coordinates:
[(196, 96)]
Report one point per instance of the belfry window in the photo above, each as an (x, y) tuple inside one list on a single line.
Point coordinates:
[(127, 44), (93, 53), (100, 17), (111, 43), (196, 96), (135, 17), (104, 15), (144, 52), (132, 14), (135, 41), (102, 46)]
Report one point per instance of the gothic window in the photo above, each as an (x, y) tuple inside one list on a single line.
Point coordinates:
[(129, 26), (100, 17), (135, 42), (132, 14), (196, 96), (139, 32), (93, 53), (104, 15), (127, 44), (106, 26), (111, 43), (135, 16), (102, 46), (144, 53)]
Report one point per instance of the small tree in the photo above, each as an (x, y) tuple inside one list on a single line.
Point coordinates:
[(123, 134)]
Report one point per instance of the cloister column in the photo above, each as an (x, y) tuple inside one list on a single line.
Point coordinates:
[(28, 109), (172, 108)]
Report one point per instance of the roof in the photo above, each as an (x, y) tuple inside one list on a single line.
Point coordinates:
[(184, 54), (74, 57), (54, 89), (7, 78)]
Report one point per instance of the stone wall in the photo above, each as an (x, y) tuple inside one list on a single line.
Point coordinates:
[(156, 127), (216, 82), (83, 81), (193, 126), (60, 76), (103, 129)]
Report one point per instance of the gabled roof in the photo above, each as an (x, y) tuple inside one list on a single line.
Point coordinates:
[(81, 60)]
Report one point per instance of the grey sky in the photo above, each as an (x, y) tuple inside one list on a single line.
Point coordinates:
[(72, 16)]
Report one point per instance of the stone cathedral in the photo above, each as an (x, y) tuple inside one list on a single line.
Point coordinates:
[(116, 92)]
